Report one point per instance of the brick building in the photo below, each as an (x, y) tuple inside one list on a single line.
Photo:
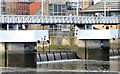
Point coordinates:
[(18, 7)]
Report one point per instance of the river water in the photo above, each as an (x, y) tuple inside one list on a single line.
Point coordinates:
[(73, 66)]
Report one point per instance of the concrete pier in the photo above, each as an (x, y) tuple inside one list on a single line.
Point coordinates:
[(19, 55)]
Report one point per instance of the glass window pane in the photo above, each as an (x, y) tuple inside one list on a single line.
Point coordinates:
[(86, 3), (59, 8), (55, 8)]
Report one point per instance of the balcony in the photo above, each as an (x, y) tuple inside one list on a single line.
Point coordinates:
[(97, 34)]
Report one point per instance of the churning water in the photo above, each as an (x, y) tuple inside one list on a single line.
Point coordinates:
[(73, 66)]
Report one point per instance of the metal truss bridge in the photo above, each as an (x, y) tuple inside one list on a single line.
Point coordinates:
[(37, 19)]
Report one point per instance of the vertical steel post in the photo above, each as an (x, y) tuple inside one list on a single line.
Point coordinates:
[(85, 49), (77, 8), (5, 55), (104, 8), (42, 7)]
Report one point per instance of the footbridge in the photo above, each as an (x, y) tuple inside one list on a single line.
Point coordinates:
[(37, 19)]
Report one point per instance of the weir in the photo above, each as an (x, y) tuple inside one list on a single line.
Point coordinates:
[(115, 52), (56, 56)]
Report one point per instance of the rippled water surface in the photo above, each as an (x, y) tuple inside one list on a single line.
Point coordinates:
[(69, 67)]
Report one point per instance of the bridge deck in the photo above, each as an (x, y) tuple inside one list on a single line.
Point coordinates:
[(36, 19)]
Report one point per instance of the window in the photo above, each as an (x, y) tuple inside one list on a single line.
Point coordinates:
[(59, 8), (22, 13), (14, 9), (4, 3), (4, 9), (8, 9), (11, 10), (24, 7), (86, 3), (55, 8), (19, 7)]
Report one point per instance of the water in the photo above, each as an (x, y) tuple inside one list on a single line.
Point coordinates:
[(73, 66)]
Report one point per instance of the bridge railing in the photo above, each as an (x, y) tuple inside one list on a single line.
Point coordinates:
[(32, 19)]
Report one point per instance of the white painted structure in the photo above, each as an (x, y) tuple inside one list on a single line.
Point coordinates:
[(97, 34), (23, 36), (36, 19)]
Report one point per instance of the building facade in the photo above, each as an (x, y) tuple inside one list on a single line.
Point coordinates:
[(3, 11), (112, 9), (3, 7)]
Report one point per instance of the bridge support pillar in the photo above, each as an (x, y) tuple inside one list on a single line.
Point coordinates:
[(20, 54), (98, 50)]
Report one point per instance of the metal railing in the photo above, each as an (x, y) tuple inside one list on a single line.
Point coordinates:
[(36, 19)]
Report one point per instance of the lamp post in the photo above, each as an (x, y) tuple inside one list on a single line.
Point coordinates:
[(77, 8), (43, 43), (42, 7), (49, 45), (104, 8), (0, 7)]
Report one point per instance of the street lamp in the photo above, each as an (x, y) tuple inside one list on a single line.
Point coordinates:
[(49, 44)]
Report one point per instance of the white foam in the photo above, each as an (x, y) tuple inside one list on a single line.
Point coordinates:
[(114, 57), (57, 61)]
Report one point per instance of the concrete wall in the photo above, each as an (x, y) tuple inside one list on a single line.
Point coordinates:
[(23, 36), (21, 54), (97, 34), (2, 54), (18, 54), (94, 49)]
